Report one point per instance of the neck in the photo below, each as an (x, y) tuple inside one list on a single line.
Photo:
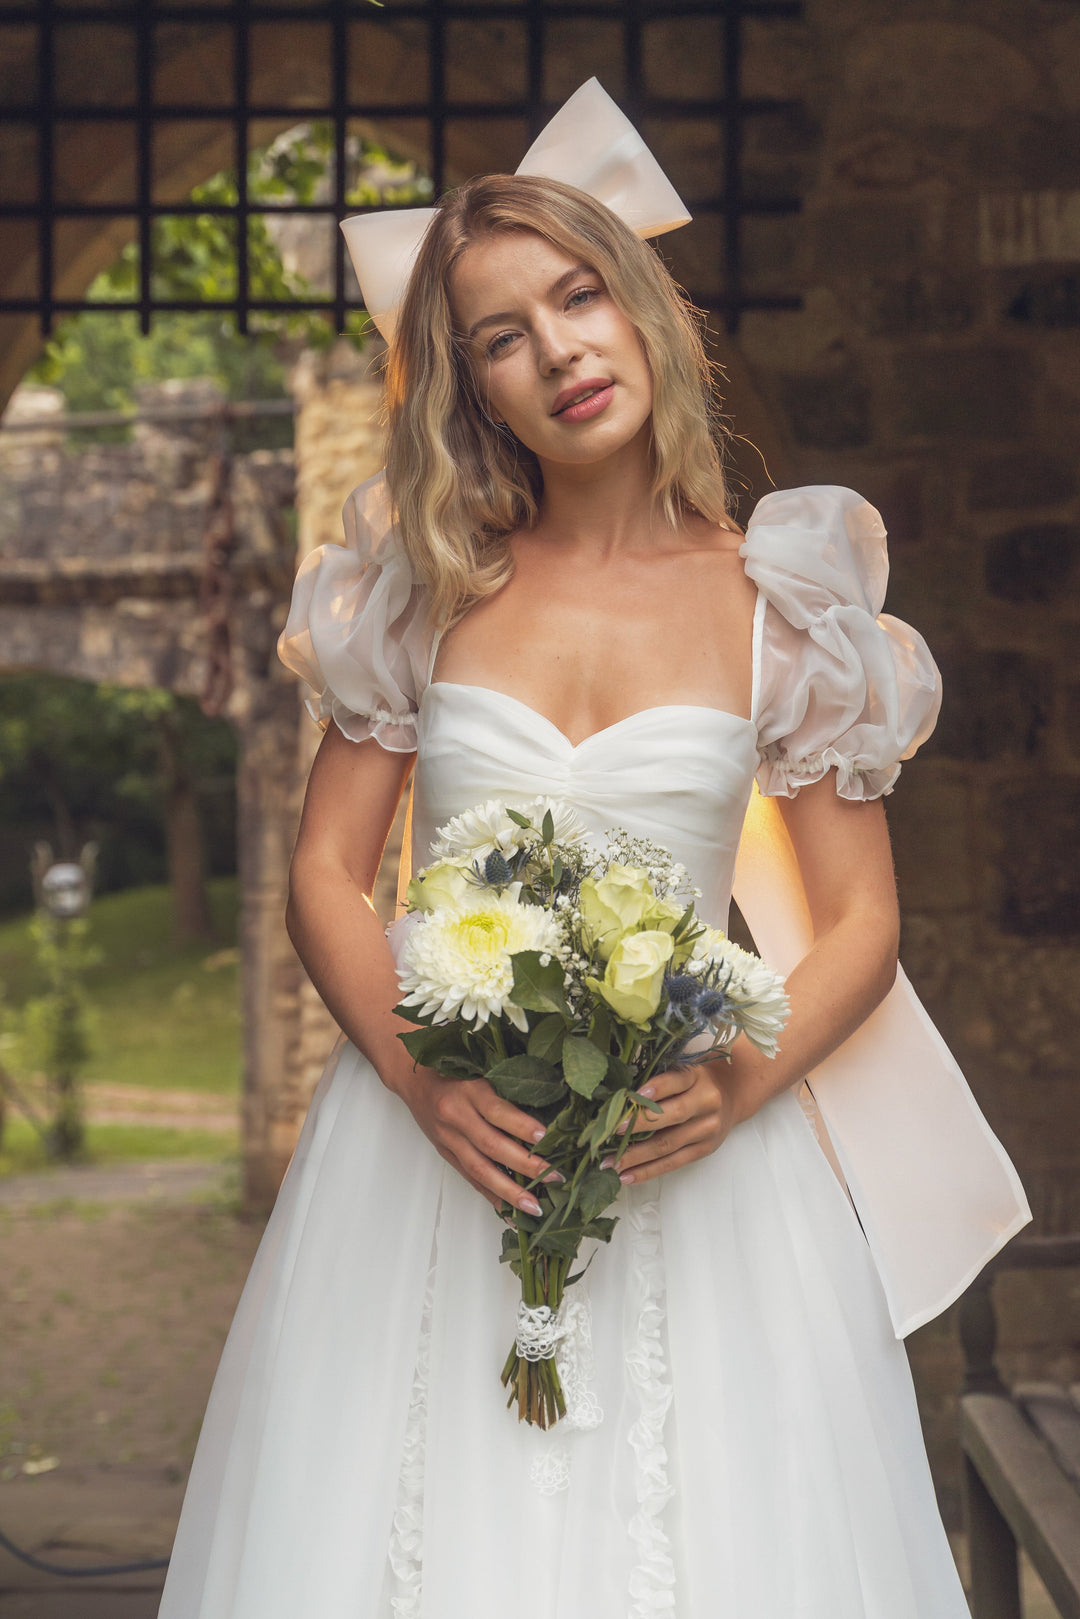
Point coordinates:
[(603, 507)]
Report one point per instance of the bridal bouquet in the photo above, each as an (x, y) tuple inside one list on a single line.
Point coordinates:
[(567, 976)]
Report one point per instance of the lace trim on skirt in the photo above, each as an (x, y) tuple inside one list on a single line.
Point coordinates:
[(652, 1579), (406, 1548)]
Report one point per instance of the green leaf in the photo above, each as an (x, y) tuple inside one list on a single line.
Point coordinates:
[(526, 1081), (600, 1027), (565, 1243), (547, 829), (618, 1071), (429, 1046), (648, 1103), (519, 819), (583, 1065), (611, 1114), (683, 921), (536, 988), (598, 1188), (457, 1067), (601, 1227), (545, 1040), (411, 1014)]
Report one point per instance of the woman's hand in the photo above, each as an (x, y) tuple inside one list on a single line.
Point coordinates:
[(474, 1129), (699, 1105)]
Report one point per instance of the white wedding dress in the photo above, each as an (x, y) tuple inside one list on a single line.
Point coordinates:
[(743, 1441)]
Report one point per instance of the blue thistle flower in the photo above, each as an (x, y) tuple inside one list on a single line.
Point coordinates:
[(496, 870), (713, 1003), (682, 989)]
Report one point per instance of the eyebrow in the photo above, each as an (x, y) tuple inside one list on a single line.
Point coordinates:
[(555, 287)]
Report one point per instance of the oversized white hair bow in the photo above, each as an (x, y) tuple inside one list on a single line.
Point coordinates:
[(589, 143)]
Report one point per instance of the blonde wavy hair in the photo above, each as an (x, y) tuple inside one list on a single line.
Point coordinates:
[(459, 484)]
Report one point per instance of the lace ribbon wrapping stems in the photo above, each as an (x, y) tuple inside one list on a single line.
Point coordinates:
[(539, 1330)]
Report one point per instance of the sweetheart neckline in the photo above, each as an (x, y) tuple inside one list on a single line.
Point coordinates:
[(605, 730)]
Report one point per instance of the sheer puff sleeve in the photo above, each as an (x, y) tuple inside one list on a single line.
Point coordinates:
[(840, 682), (358, 632)]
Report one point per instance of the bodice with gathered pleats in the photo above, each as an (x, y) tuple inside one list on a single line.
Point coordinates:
[(680, 774)]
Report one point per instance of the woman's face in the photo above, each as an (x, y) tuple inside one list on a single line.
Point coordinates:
[(542, 329)]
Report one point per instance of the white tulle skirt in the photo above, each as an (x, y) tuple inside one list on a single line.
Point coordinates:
[(747, 1442)]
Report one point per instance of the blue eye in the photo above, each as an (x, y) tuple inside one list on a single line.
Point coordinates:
[(497, 343)]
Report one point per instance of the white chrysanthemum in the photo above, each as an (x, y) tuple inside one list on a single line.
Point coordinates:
[(456, 962), (759, 997), (476, 832), (712, 945), (569, 827), (754, 990)]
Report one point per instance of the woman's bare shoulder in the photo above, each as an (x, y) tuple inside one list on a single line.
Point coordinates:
[(706, 535)]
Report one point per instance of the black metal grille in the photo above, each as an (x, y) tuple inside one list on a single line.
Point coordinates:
[(135, 27)]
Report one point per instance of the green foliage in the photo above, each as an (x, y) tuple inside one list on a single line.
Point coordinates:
[(537, 988), (53, 1029), (50, 1033), (80, 760), (166, 1015), (98, 361), (584, 1064)]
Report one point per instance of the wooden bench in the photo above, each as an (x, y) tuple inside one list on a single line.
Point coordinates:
[(1021, 1454)]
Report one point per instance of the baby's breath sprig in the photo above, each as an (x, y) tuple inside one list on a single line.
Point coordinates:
[(668, 876)]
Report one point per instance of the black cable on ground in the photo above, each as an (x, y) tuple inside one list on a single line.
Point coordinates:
[(79, 1573)]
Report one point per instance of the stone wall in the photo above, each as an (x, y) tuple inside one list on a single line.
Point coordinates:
[(935, 367)]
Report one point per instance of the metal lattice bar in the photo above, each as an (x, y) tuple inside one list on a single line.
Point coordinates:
[(733, 203), (649, 106), (340, 64), (144, 79), (225, 10), (46, 133), (241, 69)]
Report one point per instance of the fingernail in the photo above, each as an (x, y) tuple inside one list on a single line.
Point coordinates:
[(648, 1090), (627, 1177), (538, 1135), (554, 1176), (530, 1205), (606, 1163)]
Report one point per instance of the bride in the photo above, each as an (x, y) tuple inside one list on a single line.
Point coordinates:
[(544, 595)]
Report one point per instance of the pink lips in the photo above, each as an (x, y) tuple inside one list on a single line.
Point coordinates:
[(588, 407)]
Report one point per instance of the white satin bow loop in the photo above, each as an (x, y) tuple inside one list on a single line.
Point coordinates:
[(383, 248), (588, 143)]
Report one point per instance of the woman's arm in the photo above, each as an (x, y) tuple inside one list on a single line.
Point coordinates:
[(846, 864), (352, 795), (845, 860)]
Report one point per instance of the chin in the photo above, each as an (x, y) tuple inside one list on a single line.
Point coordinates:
[(608, 438)]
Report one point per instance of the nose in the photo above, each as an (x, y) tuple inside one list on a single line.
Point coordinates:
[(558, 344)]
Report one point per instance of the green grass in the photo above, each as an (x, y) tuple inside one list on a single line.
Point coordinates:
[(21, 1149), (167, 1015)]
